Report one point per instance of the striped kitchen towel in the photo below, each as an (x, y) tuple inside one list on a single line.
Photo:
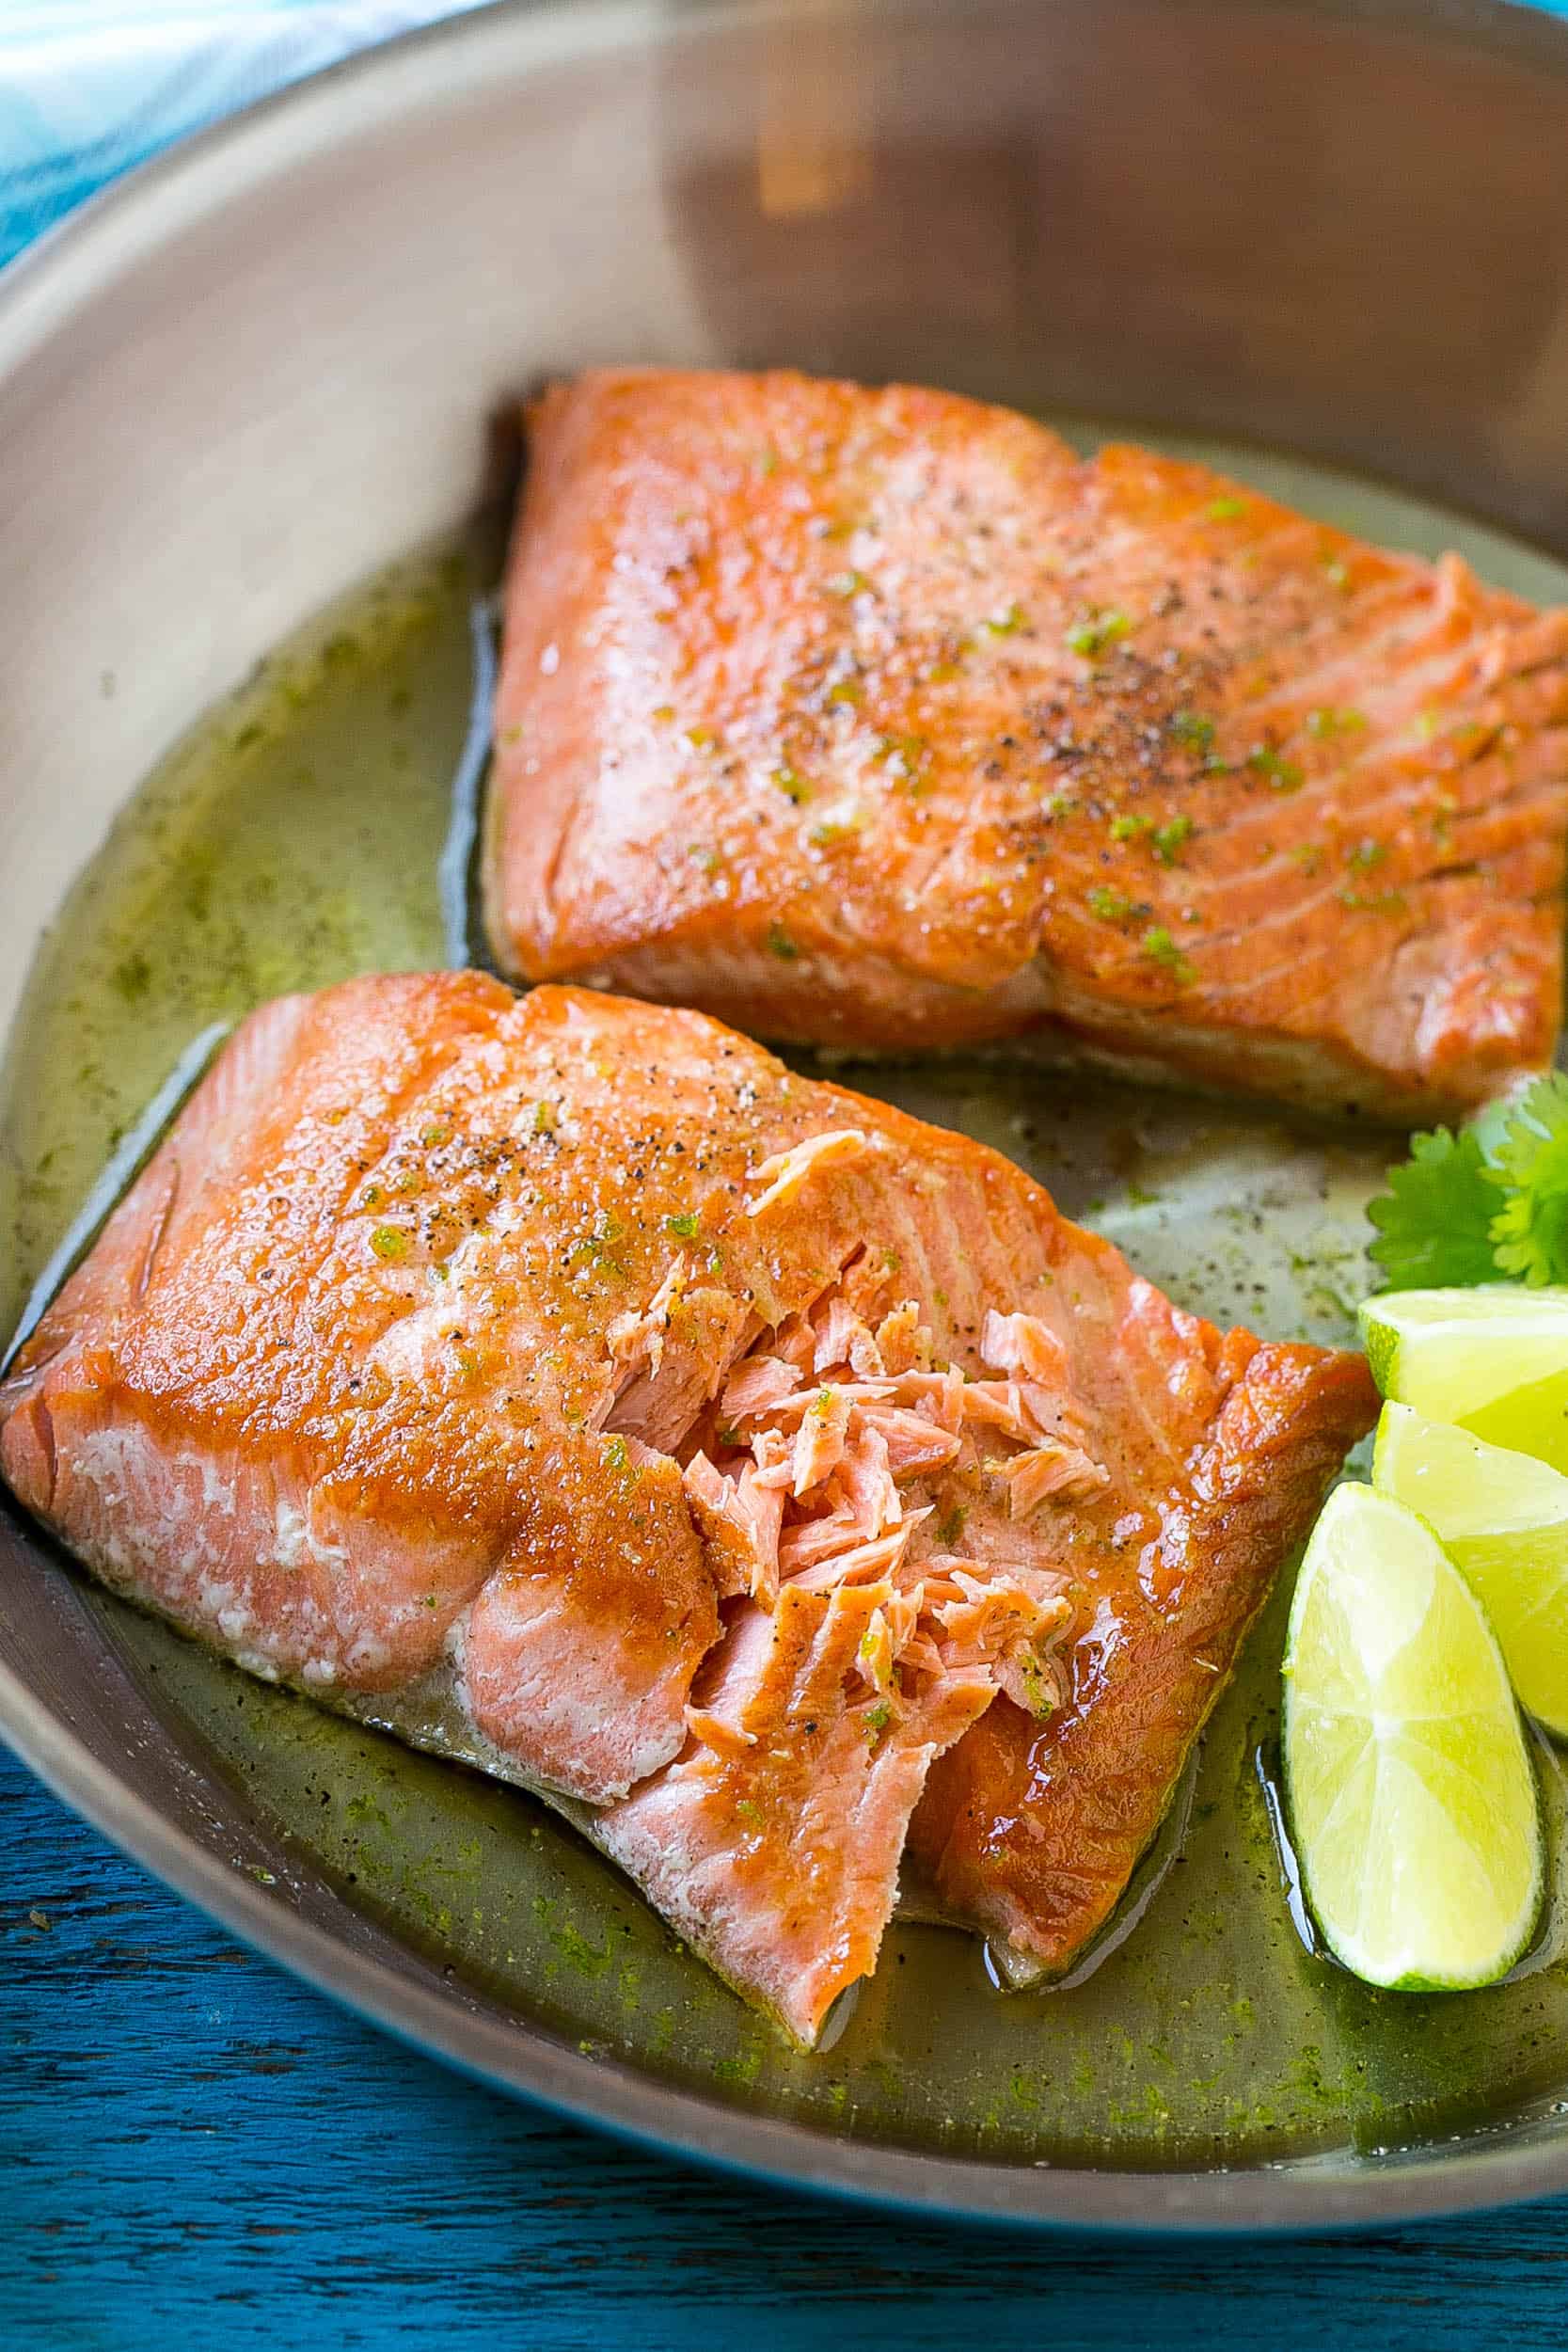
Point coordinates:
[(88, 87)]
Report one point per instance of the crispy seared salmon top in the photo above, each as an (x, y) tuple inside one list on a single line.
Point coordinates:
[(879, 719), (741, 1448)]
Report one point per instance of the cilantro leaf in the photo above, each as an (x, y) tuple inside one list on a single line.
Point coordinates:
[(1529, 1160), (1435, 1221)]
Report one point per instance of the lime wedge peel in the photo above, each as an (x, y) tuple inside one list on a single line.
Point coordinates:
[(1413, 1803), (1492, 1359), (1503, 1518)]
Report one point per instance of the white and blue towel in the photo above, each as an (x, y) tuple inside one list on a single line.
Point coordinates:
[(88, 87)]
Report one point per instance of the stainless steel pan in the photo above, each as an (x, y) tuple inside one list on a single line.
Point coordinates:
[(264, 365)]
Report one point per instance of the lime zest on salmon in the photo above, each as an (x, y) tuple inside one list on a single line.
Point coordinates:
[(731, 1452), (1162, 733)]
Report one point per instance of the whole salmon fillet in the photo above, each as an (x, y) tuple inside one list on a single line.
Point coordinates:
[(738, 1448), (879, 720)]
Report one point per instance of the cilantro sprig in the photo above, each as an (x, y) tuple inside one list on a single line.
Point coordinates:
[(1529, 1160), (1488, 1203), (1435, 1221)]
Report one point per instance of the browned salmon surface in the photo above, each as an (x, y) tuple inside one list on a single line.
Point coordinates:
[(752, 1457), (1031, 1829), (878, 719)]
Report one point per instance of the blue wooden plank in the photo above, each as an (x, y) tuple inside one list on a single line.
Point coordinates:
[(194, 2144)]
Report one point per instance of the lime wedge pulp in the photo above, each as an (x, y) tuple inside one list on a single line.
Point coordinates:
[(1412, 1799), (1492, 1359), (1503, 1518)]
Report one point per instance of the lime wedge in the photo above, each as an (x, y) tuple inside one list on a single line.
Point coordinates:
[(1503, 1518), (1411, 1800), (1494, 1360)]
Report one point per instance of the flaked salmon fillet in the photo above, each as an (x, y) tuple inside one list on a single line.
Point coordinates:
[(878, 719), (755, 1461)]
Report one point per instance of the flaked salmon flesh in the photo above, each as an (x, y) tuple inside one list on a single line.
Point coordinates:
[(879, 720), (778, 1477)]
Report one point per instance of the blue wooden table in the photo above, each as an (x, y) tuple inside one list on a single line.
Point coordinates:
[(197, 2151)]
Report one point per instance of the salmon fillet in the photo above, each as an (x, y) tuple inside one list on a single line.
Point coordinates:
[(742, 1450), (878, 719)]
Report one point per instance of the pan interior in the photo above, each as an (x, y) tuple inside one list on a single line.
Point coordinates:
[(292, 838)]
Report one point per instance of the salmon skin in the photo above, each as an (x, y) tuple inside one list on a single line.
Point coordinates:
[(878, 719), (765, 1468)]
